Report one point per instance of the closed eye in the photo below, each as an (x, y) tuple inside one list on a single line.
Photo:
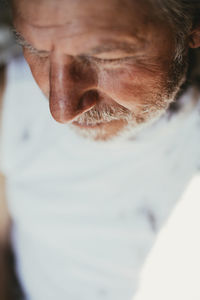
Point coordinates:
[(112, 61)]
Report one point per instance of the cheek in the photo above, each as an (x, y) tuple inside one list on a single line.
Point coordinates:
[(132, 85), (40, 69)]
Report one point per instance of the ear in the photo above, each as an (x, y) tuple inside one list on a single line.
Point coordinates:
[(194, 38)]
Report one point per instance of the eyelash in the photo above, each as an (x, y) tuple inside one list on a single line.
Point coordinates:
[(112, 61), (97, 60)]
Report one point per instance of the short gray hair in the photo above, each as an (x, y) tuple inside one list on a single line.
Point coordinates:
[(182, 15)]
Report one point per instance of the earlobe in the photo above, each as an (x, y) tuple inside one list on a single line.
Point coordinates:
[(194, 39)]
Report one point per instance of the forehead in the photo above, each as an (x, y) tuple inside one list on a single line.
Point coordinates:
[(49, 13), (83, 22)]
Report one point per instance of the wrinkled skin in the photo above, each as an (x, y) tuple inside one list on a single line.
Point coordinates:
[(79, 60)]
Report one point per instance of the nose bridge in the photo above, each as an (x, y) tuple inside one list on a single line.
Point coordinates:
[(70, 82)]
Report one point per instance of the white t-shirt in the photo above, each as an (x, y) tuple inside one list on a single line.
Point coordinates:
[(172, 270), (85, 214)]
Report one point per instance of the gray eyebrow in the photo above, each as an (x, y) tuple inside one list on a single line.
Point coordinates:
[(22, 42), (113, 46), (105, 48)]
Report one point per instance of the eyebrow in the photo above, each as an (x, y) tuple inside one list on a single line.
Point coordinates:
[(113, 46), (20, 40), (107, 47)]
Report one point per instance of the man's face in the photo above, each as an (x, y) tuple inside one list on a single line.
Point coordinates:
[(105, 66)]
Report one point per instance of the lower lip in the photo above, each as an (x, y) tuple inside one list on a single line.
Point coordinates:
[(87, 125)]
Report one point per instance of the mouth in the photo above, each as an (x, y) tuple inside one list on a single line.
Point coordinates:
[(89, 126), (101, 130)]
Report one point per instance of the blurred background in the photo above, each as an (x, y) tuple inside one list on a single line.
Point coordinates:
[(8, 47)]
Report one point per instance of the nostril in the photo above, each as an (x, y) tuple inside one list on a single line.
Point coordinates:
[(88, 100)]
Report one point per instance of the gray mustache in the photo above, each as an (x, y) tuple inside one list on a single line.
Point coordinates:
[(104, 113)]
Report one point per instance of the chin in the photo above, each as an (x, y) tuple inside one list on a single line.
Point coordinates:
[(104, 131)]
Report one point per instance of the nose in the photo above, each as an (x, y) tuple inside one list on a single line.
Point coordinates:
[(72, 88)]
